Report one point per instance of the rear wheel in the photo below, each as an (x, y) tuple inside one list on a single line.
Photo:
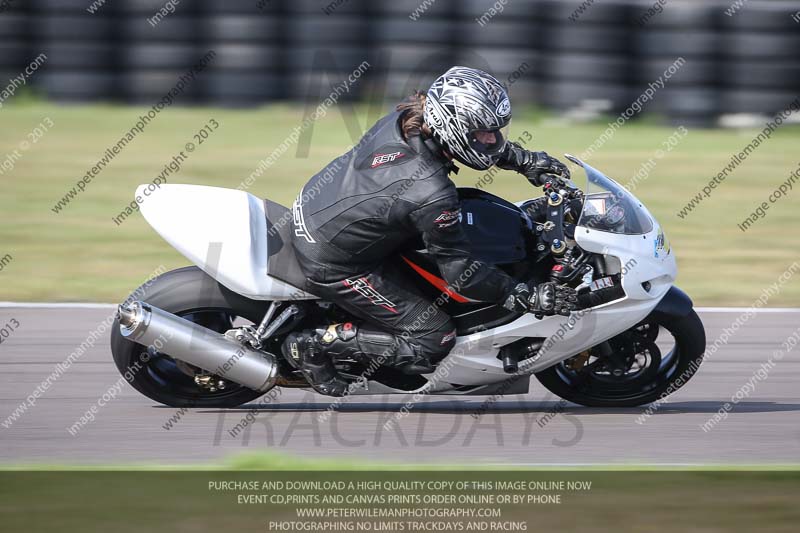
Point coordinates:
[(634, 368), (192, 294)]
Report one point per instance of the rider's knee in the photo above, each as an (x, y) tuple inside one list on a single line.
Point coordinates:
[(438, 343)]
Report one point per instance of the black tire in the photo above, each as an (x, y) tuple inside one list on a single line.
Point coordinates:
[(76, 86), (79, 27), (761, 46), (14, 55), (749, 100), (144, 56), (263, 59), (561, 38), (680, 364), (148, 86), (500, 62), (14, 26), (599, 13), (691, 43), (252, 8), (500, 33), (249, 28), (601, 68), (572, 93), (149, 7), (186, 291), (238, 88), (315, 7), (321, 30), (89, 55), (174, 28), (402, 8), (471, 9)]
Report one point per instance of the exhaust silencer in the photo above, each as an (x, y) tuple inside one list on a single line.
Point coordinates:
[(199, 346)]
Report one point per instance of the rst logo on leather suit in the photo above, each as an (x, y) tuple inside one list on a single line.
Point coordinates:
[(447, 218), (365, 289), (385, 158), (300, 228)]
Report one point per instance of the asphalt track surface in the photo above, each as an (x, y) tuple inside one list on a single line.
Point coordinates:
[(762, 428)]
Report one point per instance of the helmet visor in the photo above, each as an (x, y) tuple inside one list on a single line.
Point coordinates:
[(489, 142)]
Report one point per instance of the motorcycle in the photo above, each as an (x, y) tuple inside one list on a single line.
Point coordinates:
[(209, 335)]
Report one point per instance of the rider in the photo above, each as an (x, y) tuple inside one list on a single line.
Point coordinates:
[(392, 187)]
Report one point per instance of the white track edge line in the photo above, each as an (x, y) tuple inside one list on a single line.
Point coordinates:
[(67, 305)]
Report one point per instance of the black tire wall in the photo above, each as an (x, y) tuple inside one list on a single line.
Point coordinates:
[(547, 51)]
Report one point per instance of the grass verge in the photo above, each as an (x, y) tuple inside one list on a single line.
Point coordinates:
[(80, 254)]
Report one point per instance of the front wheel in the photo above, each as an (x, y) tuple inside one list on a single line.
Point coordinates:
[(192, 294), (636, 367)]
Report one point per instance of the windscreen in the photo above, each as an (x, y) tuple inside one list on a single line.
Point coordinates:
[(609, 207)]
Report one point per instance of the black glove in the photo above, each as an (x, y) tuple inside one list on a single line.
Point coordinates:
[(533, 165), (546, 299)]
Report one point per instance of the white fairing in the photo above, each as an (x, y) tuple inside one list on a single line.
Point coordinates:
[(470, 364), (222, 231), (645, 260)]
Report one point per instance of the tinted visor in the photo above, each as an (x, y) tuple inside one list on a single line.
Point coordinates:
[(489, 142)]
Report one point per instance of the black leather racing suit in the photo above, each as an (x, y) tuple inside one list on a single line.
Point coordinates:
[(359, 210)]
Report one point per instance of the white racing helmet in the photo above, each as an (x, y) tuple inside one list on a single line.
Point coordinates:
[(468, 112)]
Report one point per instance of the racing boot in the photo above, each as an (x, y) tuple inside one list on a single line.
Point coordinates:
[(374, 348), (371, 348), (305, 351)]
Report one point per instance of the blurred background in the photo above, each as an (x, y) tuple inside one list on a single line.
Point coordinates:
[(571, 67), (577, 54)]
